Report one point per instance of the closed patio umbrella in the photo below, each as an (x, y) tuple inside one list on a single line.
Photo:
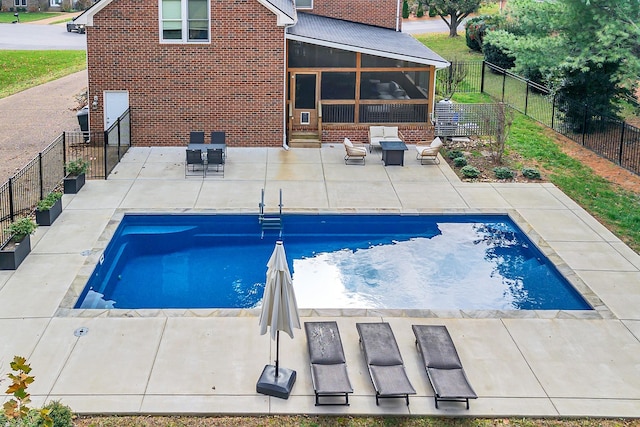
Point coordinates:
[(280, 313)]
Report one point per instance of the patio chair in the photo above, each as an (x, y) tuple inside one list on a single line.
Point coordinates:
[(218, 137), (328, 364), (353, 152), (194, 158), (215, 157), (196, 137), (443, 366), (386, 367), (429, 152)]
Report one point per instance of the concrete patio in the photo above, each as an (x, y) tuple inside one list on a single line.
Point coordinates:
[(527, 364)]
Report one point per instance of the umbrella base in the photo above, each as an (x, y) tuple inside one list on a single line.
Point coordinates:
[(279, 386)]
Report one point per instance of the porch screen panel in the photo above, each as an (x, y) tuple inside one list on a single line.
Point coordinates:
[(198, 21), (372, 61), (336, 85), (171, 19), (389, 86), (305, 55)]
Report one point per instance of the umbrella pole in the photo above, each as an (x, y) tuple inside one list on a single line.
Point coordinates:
[(277, 349)]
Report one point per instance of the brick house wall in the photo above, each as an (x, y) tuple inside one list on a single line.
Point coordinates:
[(235, 83), (381, 13)]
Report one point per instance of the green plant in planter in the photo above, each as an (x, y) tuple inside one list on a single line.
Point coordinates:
[(21, 228), (77, 167), (50, 200)]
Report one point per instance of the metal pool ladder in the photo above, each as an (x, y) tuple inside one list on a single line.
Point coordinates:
[(270, 222)]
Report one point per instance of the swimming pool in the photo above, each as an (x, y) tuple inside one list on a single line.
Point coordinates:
[(471, 262)]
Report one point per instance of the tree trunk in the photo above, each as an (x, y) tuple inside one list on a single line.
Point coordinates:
[(453, 25)]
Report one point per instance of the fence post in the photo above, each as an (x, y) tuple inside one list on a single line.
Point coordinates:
[(553, 111), (12, 211), (526, 97), (64, 153), (41, 180), (106, 144), (504, 82), (482, 78), (584, 123), (624, 126)]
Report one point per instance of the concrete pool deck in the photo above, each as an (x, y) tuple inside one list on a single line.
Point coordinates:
[(527, 364)]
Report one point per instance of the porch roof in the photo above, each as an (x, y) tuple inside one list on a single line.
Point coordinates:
[(356, 37)]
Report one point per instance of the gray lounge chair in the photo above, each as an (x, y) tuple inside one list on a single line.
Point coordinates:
[(444, 368), (386, 367), (328, 364), (194, 159)]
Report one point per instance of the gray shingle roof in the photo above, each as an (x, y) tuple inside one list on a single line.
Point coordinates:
[(353, 36), (286, 6)]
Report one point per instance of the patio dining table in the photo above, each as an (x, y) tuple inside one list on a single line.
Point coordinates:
[(205, 147)]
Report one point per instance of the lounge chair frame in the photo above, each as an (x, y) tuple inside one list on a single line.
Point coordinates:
[(384, 362), (326, 356), (429, 152), (442, 363)]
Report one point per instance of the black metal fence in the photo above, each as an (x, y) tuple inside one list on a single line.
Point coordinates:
[(609, 137), (42, 175)]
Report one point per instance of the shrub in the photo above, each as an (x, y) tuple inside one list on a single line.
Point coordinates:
[(460, 161), (51, 199), (531, 173), (470, 171), (496, 56), (21, 228), (405, 9), (61, 415), (452, 154), (503, 172), (420, 11), (77, 167)]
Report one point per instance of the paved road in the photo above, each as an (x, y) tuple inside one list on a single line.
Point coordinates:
[(40, 37), (427, 25)]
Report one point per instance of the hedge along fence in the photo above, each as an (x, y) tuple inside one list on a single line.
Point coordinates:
[(609, 137), (22, 192)]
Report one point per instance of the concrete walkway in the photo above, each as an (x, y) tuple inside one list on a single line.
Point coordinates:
[(542, 363)]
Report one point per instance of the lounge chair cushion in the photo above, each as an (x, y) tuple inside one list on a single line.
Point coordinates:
[(380, 345), (451, 383), (330, 378), (325, 346), (437, 347)]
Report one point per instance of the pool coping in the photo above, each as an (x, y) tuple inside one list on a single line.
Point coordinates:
[(599, 311)]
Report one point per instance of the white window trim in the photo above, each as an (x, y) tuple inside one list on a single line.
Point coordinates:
[(185, 25)]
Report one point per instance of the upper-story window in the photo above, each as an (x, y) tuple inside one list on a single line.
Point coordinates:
[(304, 4), (184, 21)]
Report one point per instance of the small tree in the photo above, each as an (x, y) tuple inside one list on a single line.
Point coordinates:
[(405, 9), (500, 120), (17, 407), (457, 72), (420, 11), (452, 12)]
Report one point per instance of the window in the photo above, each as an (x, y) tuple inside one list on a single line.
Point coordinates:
[(19, 3), (184, 21), (304, 4)]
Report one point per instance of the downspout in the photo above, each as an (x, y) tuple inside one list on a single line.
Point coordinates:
[(284, 92), (398, 15)]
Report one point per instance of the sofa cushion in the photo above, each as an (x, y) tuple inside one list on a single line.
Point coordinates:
[(376, 131), (391, 132)]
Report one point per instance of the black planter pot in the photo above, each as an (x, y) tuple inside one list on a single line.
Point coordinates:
[(11, 259), (73, 184), (47, 217)]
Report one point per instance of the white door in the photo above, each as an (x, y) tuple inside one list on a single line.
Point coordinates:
[(115, 103)]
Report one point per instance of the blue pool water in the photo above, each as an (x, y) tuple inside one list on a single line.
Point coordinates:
[(478, 262)]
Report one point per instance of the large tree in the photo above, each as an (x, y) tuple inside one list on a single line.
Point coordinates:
[(452, 12), (583, 49)]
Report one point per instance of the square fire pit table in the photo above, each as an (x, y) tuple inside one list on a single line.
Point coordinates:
[(393, 152)]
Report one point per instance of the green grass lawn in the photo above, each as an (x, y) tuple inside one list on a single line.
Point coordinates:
[(8, 17), (23, 69)]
